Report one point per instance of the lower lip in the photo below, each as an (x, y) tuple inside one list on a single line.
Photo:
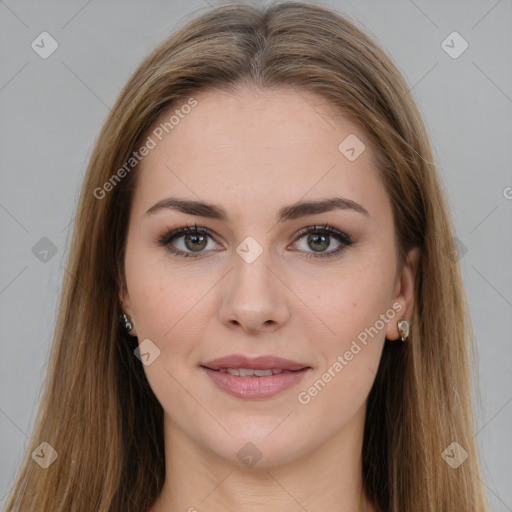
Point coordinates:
[(255, 387)]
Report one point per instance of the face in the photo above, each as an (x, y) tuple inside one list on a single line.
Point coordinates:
[(248, 280)]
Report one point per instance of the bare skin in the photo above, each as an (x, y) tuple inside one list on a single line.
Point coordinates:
[(251, 154)]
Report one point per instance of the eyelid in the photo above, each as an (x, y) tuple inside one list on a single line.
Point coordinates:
[(344, 239), (168, 235), (324, 228)]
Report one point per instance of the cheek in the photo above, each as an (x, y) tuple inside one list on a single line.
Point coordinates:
[(353, 309), (172, 308), (161, 295), (355, 305), (351, 298), (168, 310)]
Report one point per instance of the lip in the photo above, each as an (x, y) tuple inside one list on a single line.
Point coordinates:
[(255, 387), (257, 363)]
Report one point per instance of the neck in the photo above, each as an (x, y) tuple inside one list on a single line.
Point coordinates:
[(328, 478)]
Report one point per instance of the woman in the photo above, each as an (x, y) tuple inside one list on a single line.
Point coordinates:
[(263, 215)]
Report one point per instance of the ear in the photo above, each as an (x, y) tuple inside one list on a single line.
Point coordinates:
[(126, 307), (404, 293)]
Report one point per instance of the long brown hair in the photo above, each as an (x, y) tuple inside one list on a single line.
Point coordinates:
[(98, 411)]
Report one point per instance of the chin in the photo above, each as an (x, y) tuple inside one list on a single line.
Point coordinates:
[(259, 448)]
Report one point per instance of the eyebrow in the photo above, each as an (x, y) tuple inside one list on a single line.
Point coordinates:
[(291, 212)]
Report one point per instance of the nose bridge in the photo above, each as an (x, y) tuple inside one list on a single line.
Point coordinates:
[(253, 276), (253, 296)]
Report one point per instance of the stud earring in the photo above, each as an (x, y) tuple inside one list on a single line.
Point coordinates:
[(126, 322), (403, 329)]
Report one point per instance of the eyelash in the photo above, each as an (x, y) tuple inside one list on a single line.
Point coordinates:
[(344, 239)]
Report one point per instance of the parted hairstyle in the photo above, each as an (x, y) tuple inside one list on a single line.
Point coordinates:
[(97, 409)]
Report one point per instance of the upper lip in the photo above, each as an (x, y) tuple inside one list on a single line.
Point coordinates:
[(267, 362)]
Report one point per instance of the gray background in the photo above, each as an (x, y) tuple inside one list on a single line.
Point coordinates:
[(52, 110)]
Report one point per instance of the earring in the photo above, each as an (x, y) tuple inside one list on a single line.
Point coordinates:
[(403, 329), (126, 322)]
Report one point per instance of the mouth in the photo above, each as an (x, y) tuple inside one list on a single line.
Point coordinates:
[(251, 372), (247, 364), (254, 378)]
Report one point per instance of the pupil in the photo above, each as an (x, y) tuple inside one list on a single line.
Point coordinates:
[(322, 240), (198, 242)]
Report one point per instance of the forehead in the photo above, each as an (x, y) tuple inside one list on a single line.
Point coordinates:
[(255, 147)]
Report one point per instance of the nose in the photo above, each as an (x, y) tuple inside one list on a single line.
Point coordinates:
[(252, 297)]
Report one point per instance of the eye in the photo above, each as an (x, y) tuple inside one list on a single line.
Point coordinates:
[(192, 241), (187, 241), (320, 238)]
